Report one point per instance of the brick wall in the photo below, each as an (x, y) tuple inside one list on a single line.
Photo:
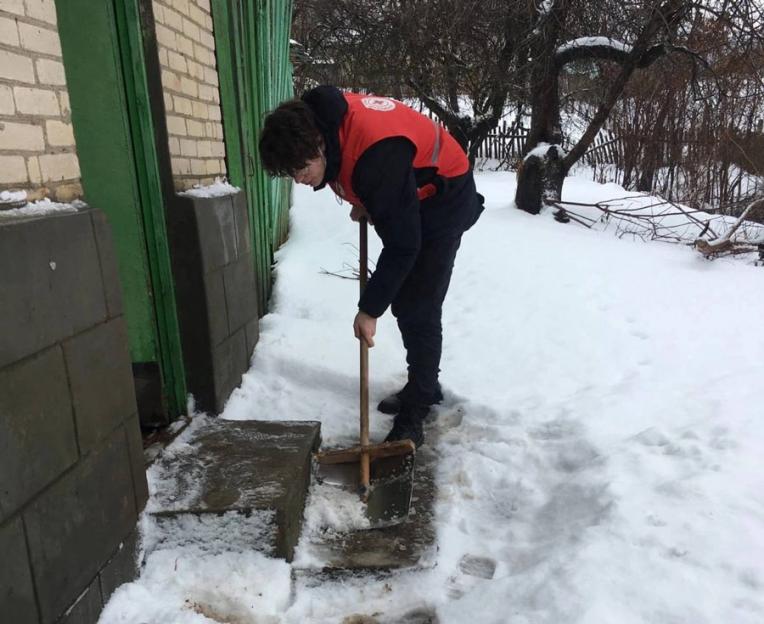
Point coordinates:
[(191, 94), (37, 150)]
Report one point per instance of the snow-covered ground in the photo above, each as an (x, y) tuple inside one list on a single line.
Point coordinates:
[(609, 458)]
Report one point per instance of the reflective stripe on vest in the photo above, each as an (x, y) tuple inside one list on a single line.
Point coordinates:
[(436, 149)]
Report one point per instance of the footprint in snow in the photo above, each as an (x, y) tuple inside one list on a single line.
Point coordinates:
[(472, 571)]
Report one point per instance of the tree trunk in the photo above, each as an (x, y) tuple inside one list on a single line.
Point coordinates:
[(539, 180)]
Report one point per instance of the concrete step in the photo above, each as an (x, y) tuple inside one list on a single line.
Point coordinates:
[(234, 485)]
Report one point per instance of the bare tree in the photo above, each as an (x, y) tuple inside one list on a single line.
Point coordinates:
[(695, 137), (652, 26), (647, 32), (455, 56), (471, 61)]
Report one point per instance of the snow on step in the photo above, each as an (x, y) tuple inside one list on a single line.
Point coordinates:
[(232, 486)]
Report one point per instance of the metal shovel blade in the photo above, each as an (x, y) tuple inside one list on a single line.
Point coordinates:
[(390, 486)]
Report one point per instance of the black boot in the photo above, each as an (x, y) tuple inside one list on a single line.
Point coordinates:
[(392, 404), (408, 425)]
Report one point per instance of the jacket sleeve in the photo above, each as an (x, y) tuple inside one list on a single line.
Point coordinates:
[(384, 180)]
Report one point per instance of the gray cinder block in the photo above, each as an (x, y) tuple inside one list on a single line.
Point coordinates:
[(252, 330), (241, 299), (37, 439), (137, 462), (122, 567), (17, 602), (215, 290), (217, 231), (241, 215), (88, 607), (109, 268), (101, 380), (55, 290), (217, 312), (77, 523), (229, 361)]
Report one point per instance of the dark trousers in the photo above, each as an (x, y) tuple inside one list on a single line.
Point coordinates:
[(418, 306)]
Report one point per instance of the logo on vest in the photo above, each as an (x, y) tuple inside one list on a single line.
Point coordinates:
[(378, 103)]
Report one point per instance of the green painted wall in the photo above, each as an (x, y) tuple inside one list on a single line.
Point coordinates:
[(105, 149), (252, 38), (105, 64)]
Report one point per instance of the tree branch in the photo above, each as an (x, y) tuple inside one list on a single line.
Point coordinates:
[(725, 244)]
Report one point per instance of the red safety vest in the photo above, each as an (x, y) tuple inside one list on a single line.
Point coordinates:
[(370, 119)]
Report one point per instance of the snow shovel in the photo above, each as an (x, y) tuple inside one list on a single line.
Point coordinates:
[(383, 474)]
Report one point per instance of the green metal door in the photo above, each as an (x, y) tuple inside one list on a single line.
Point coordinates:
[(252, 40), (106, 79)]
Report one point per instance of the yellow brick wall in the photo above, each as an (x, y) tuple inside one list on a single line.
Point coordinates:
[(191, 90), (37, 150)]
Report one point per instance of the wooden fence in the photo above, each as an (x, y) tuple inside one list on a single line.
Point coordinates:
[(505, 144), (681, 178)]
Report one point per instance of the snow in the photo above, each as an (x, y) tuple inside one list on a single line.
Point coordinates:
[(545, 7), (608, 461), (188, 588), (541, 150), (12, 196), (588, 42), (219, 188), (39, 208)]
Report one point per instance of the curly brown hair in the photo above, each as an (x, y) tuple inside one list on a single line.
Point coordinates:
[(289, 138)]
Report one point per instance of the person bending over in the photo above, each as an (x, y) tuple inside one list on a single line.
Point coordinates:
[(411, 179)]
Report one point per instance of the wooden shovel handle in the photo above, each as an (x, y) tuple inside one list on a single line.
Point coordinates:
[(363, 272)]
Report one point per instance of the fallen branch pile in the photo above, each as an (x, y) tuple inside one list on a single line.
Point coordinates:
[(712, 235)]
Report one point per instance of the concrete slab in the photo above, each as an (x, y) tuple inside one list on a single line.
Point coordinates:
[(248, 479)]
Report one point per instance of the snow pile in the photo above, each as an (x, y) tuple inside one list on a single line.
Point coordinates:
[(641, 216), (219, 188), (542, 149), (39, 208), (591, 42), (187, 588), (331, 509), (207, 534), (12, 197), (607, 464)]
